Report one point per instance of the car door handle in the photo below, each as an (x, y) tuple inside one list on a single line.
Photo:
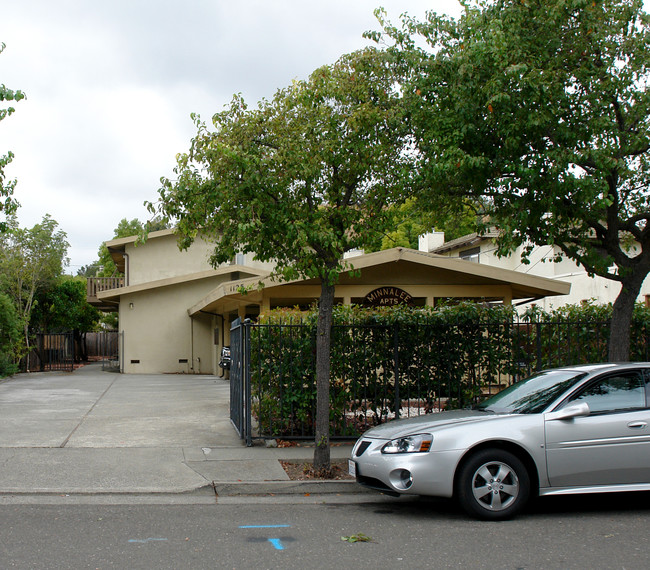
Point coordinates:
[(637, 425)]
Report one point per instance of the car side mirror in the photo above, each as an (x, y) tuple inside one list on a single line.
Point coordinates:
[(569, 412)]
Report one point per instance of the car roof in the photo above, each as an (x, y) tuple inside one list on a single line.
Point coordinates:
[(598, 367)]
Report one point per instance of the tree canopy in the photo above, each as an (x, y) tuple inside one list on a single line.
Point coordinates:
[(299, 180), (63, 307), (7, 204), (30, 260), (410, 221), (541, 108), (10, 336)]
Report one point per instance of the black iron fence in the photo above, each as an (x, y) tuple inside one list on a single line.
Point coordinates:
[(105, 347), (52, 351), (380, 372), (548, 344), (240, 380), (60, 351)]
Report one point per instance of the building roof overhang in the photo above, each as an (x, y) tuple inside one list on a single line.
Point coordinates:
[(449, 277), (466, 241), (250, 273)]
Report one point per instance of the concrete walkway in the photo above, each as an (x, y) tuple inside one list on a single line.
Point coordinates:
[(94, 432)]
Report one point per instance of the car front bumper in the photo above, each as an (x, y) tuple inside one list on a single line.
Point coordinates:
[(429, 473)]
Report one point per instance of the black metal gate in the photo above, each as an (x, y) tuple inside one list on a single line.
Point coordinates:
[(240, 379), (53, 351), (105, 347)]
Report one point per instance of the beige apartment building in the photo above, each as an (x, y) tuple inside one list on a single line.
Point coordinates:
[(175, 309), (482, 249)]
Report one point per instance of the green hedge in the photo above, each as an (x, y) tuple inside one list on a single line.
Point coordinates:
[(382, 360), (579, 334), (415, 360)]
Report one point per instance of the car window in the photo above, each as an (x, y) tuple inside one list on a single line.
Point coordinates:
[(614, 393), (533, 394)]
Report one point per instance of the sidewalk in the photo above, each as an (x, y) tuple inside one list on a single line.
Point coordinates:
[(94, 432)]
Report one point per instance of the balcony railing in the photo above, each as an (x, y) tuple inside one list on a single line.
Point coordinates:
[(98, 284)]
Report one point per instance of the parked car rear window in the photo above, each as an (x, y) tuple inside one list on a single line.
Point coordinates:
[(614, 393)]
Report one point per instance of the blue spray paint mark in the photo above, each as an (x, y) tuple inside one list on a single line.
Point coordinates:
[(145, 540), (266, 526), (277, 543)]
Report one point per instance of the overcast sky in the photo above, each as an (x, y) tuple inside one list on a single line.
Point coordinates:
[(111, 84)]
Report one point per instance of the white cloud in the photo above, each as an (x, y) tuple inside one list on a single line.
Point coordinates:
[(111, 86)]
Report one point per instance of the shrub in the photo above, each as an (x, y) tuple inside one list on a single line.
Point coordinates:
[(10, 336)]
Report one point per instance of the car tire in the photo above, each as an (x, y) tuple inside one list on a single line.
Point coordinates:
[(493, 484)]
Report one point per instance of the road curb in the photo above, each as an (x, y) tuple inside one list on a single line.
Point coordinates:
[(88, 491), (237, 489)]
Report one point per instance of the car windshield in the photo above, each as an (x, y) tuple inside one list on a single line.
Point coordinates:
[(532, 395)]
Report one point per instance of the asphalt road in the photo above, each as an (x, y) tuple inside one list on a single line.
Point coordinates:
[(305, 532)]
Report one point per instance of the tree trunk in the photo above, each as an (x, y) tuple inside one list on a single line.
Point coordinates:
[(323, 337), (621, 325), (80, 350), (27, 347)]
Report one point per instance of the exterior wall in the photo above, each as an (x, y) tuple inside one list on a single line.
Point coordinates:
[(203, 340), (159, 333), (306, 295), (160, 258), (583, 287)]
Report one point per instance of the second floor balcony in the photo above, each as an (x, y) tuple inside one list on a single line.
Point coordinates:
[(97, 285)]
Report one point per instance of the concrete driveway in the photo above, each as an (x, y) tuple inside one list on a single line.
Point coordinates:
[(93, 432), (95, 409), (98, 432)]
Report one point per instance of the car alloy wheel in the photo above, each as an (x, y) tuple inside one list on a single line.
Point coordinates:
[(493, 484)]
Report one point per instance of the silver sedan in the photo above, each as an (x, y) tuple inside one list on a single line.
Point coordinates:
[(583, 429)]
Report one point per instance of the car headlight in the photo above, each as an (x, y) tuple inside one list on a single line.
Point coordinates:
[(419, 443)]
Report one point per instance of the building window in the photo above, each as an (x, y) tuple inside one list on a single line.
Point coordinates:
[(239, 259), (470, 254)]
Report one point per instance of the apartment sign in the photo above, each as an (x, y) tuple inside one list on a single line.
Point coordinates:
[(388, 296)]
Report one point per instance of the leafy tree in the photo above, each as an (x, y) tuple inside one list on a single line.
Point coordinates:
[(90, 270), (541, 107), (110, 321), (408, 226), (410, 221), (30, 260), (10, 333), (125, 228), (299, 180), (7, 204), (63, 307)]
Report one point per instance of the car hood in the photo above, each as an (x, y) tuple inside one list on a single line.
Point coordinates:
[(399, 428)]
